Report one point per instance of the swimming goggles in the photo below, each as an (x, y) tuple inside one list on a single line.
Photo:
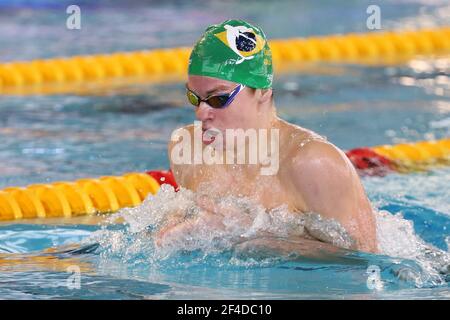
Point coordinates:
[(217, 102)]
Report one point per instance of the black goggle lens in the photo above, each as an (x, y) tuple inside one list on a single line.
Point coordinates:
[(215, 101)]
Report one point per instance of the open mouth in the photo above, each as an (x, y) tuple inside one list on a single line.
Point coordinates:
[(209, 135)]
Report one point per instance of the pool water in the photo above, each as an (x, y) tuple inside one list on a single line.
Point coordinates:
[(119, 261), (66, 137)]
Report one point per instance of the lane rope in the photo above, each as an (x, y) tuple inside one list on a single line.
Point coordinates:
[(111, 193), (62, 75)]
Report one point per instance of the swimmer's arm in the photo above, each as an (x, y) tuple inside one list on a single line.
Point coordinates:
[(182, 229), (326, 180)]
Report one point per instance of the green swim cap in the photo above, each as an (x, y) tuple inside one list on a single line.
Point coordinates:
[(235, 51)]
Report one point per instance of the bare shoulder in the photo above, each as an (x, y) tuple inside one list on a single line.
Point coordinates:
[(307, 147), (318, 153), (311, 155)]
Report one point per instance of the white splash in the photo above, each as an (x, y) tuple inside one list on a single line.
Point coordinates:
[(236, 218), (396, 238)]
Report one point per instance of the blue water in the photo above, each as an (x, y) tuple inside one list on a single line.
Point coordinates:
[(66, 137), (108, 273)]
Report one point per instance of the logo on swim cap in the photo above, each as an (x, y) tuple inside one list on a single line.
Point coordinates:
[(233, 50), (242, 40)]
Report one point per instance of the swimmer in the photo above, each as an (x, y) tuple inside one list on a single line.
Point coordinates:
[(230, 86)]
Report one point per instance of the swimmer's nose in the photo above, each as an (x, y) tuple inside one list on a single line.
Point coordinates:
[(204, 112)]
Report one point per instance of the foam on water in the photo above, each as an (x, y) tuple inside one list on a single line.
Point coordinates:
[(396, 238), (242, 221)]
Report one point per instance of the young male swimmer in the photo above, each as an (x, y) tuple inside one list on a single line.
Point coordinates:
[(230, 85)]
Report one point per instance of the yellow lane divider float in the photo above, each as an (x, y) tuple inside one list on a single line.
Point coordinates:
[(61, 75), (403, 158), (109, 194), (82, 197)]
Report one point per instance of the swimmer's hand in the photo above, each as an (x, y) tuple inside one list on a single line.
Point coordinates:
[(213, 218), (182, 231)]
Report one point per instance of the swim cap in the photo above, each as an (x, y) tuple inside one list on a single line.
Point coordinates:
[(235, 51)]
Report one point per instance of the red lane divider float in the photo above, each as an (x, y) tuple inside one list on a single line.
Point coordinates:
[(368, 162), (163, 177)]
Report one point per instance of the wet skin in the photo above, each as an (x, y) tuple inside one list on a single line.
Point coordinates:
[(313, 176)]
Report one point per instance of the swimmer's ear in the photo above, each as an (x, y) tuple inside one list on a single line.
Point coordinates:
[(265, 95)]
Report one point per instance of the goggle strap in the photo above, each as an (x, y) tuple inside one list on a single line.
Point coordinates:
[(233, 94)]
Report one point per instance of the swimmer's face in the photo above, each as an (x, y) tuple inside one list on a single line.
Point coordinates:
[(242, 113)]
